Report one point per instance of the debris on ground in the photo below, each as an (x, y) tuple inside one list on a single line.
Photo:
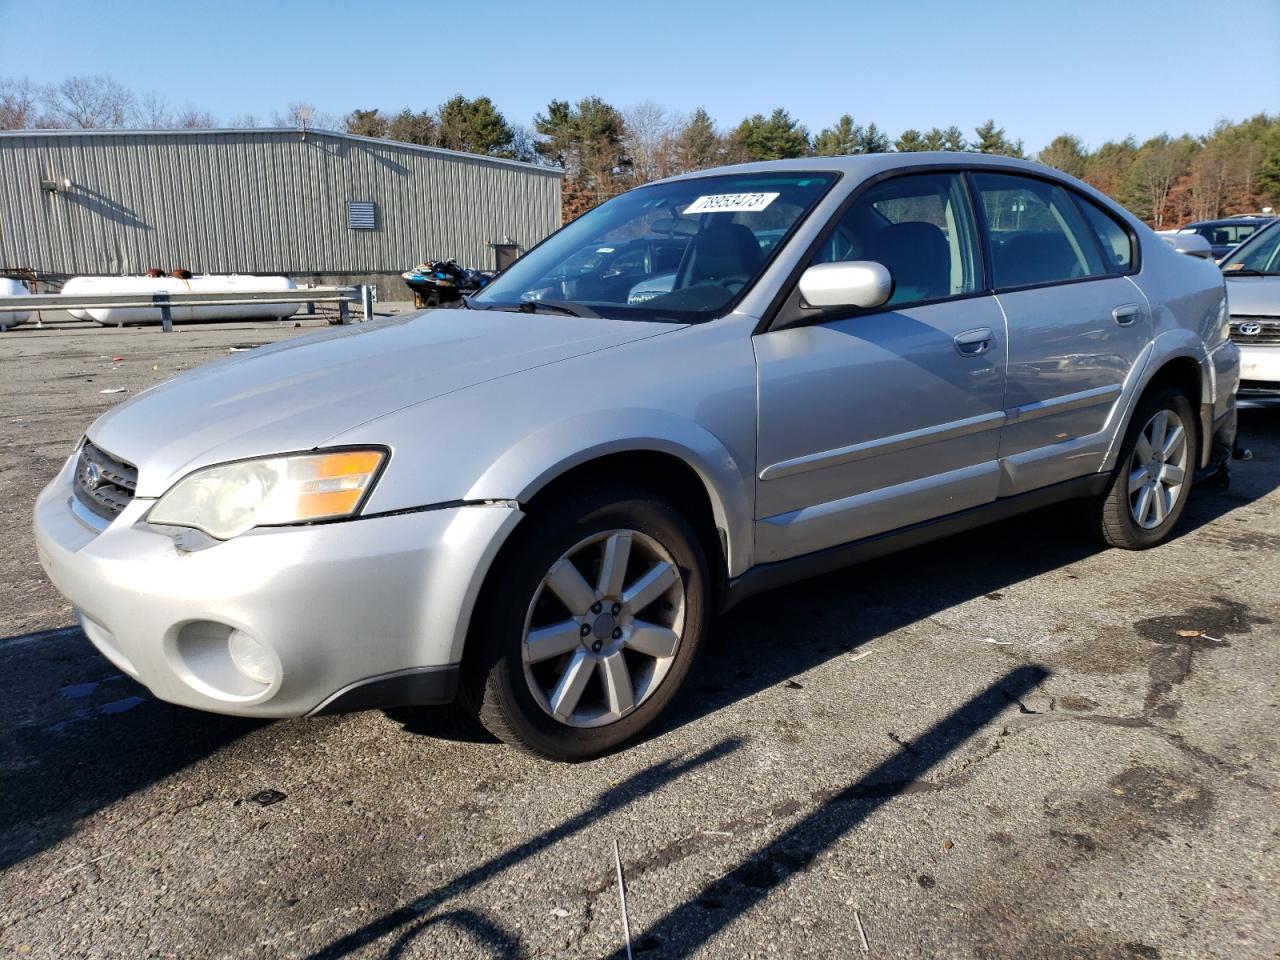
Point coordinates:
[(115, 390), (560, 912), (998, 643), (862, 934), (622, 899), (265, 798), (792, 685)]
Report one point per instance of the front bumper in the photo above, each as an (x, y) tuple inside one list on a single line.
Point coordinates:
[(362, 613), (1260, 371)]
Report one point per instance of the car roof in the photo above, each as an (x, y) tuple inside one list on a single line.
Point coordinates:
[(1236, 221), (869, 164)]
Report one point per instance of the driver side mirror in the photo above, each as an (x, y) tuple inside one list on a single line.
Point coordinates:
[(856, 283)]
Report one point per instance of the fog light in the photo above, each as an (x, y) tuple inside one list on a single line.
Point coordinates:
[(250, 657)]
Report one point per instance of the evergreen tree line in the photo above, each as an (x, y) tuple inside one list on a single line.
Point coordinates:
[(604, 150)]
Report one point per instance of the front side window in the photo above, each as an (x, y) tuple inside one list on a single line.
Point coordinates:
[(920, 228), (683, 251), (1037, 234), (1116, 244), (1260, 256)]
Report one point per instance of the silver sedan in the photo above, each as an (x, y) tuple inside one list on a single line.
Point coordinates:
[(703, 388)]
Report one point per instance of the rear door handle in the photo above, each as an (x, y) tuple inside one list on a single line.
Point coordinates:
[(1126, 314), (974, 343)]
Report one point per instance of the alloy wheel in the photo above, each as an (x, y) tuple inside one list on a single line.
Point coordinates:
[(603, 628), (1158, 469)]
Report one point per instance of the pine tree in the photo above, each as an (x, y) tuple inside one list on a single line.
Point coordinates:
[(367, 123), (1065, 152), (698, 145), (951, 139), (910, 141), (777, 138), (843, 139), (473, 126)]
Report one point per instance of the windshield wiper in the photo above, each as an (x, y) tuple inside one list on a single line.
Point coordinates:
[(557, 306), (1250, 272)]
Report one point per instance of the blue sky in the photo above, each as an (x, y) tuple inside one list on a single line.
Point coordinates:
[(1098, 69)]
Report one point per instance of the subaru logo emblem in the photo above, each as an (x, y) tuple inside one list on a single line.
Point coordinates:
[(92, 476), (1250, 329)]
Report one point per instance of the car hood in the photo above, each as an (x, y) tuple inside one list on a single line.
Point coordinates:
[(297, 394), (1253, 296)]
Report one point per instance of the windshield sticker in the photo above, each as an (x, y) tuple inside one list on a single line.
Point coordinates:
[(731, 203)]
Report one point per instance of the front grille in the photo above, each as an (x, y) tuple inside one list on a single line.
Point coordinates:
[(1268, 331), (103, 483)]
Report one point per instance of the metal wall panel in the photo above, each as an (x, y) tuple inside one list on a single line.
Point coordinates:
[(258, 201)]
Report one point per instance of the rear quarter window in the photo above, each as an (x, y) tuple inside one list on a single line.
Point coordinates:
[(1116, 243)]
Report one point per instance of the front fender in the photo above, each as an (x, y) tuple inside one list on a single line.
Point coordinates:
[(538, 458)]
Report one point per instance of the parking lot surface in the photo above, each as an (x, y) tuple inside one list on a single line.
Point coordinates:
[(1008, 744)]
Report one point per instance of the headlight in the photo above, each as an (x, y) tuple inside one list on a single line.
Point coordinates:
[(226, 500)]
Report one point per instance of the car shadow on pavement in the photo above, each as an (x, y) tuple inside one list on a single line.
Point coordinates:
[(76, 736), (413, 914), (690, 925)]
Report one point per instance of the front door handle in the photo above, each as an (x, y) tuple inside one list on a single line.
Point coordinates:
[(1126, 314), (974, 343)]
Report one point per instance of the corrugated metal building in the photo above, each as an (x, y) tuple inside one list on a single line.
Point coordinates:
[(259, 201)]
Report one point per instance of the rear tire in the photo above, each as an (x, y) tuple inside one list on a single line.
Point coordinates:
[(569, 661), (1153, 475)]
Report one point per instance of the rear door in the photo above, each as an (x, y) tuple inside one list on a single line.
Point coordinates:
[(874, 420), (1077, 325)]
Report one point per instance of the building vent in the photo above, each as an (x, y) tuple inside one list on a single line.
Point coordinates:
[(362, 215)]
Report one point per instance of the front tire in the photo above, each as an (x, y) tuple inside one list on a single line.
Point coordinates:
[(588, 624), (1153, 476)]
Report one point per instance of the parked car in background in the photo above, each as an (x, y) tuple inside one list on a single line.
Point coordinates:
[(1226, 234), (538, 504), (1253, 298)]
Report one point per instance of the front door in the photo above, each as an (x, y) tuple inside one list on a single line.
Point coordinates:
[(879, 419)]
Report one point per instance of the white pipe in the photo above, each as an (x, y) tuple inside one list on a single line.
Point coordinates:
[(12, 288), (210, 283)]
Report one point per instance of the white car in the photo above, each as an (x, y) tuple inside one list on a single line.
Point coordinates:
[(1252, 271)]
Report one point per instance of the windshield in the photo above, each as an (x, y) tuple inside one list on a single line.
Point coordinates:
[(1259, 254), (683, 251)]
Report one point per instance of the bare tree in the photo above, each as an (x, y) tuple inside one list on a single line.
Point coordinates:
[(649, 132), (245, 121), (151, 112), (19, 105), (88, 102), (192, 117)]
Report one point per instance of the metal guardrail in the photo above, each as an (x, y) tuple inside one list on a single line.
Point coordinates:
[(165, 302)]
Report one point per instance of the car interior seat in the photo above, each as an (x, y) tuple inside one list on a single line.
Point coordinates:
[(918, 258), (724, 253), (1040, 257)]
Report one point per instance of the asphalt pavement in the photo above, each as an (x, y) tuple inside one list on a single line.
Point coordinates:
[(1011, 743)]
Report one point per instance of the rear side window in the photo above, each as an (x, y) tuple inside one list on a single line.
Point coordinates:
[(1226, 234), (1116, 244), (920, 228), (1036, 232)]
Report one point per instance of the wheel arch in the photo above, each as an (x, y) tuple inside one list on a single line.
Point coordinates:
[(1184, 367), (677, 457)]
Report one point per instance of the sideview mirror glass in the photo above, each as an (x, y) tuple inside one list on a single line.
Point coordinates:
[(856, 283)]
